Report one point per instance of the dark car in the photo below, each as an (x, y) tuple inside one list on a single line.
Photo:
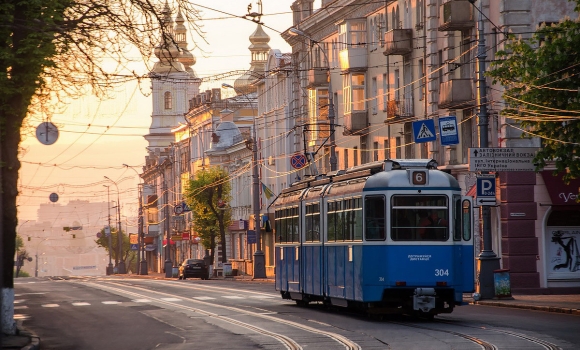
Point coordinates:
[(195, 268)]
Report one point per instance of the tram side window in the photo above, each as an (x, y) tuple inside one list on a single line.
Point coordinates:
[(375, 218), (287, 225), (353, 219), (419, 218), (457, 218), (312, 222), (345, 220), (330, 219)]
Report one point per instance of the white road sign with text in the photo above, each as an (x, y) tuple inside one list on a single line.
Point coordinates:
[(502, 159)]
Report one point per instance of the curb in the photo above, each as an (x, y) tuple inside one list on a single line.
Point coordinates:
[(561, 310), (34, 339)]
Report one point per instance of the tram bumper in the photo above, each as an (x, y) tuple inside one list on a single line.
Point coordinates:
[(424, 299)]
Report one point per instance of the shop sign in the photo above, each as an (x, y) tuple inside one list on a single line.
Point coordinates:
[(560, 193)]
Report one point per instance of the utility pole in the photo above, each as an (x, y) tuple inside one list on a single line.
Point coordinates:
[(108, 233), (142, 261), (487, 260), (121, 266), (168, 264), (259, 257)]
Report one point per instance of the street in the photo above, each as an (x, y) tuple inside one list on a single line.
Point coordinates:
[(131, 313)]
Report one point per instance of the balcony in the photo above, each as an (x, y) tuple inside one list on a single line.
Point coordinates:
[(398, 42), (355, 123), (353, 59), (400, 110), (317, 77), (456, 93), (456, 15)]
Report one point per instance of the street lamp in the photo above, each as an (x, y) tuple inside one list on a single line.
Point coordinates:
[(487, 259), (121, 266), (333, 160), (259, 257), (141, 262), (108, 233)]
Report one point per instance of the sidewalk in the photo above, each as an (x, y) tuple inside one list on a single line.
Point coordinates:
[(567, 304)]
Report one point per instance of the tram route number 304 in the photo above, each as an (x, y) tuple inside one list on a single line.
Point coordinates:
[(441, 272)]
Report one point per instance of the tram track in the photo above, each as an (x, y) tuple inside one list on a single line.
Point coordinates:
[(545, 344), (288, 342), (484, 344)]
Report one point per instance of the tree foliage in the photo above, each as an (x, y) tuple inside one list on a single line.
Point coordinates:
[(207, 195), (54, 49), (127, 255), (541, 77)]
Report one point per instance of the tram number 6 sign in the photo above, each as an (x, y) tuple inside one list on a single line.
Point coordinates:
[(419, 177)]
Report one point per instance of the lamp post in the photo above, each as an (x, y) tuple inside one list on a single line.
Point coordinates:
[(487, 260), (259, 257), (168, 264), (141, 261), (108, 233), (121, 266), (333, 160)]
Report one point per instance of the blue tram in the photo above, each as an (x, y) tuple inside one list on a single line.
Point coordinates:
[(392, 236)]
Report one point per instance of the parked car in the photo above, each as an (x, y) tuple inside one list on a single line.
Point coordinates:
[(194, 268)]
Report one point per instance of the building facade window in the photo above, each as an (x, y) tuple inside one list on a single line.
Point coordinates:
[(354, 92), (355, 156), (168, 100), (318, 113)]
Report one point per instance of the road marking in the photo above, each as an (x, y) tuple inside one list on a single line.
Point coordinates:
[(111, 302), (20, 307), (81, 304), (232, 297), (142, 301), (262, 296), (19, 301), (203, 298), (171, 299), (50, 305)]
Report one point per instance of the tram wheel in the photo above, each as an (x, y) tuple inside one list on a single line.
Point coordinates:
[(301, 302)]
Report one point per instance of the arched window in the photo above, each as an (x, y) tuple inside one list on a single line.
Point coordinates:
[(168, 100)]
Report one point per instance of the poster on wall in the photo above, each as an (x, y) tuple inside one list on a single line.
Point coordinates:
[(563, 257)]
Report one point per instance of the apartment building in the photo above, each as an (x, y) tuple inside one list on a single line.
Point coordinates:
[(381, 65)]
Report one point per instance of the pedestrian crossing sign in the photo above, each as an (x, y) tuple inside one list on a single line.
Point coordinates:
[(424, 131)]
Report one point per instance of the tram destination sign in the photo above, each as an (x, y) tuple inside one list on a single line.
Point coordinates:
[(502, 159)]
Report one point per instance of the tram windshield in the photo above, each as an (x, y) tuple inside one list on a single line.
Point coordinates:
[(419, 218)]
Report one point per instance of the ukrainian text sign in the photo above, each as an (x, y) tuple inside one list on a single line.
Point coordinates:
[(502, 159)]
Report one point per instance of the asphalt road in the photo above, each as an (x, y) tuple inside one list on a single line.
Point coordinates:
[(124, 313)]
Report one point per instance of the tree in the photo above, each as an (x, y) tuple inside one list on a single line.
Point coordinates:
[(54, 49), (540, 76), (207, 196), (128, 255)]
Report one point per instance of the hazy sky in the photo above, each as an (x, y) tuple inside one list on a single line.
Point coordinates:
[(96, 138)]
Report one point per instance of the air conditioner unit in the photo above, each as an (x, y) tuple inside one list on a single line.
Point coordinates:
[(271, 160)]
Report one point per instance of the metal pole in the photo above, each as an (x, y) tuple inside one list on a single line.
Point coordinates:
[(121, 266), (487, 260), (141, 252), (168, 263), (259, 257), (119, 260), (110, 270)]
